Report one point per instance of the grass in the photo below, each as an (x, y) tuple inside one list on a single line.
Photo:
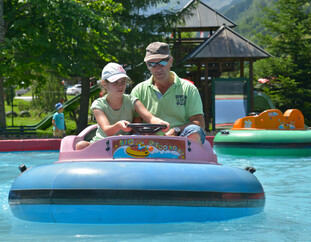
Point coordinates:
[(35, 117), (18, 106)]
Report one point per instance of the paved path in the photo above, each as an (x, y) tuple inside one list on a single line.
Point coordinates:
[(26, 98)]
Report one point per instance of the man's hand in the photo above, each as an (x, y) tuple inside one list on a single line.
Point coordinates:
[(156, 120), (171, 132)]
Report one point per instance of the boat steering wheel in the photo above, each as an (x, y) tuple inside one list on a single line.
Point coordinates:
[(143, 128)]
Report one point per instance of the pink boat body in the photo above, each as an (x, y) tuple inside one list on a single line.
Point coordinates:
[(185, 150)]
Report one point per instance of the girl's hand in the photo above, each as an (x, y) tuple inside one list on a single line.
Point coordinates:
[(123, 125)]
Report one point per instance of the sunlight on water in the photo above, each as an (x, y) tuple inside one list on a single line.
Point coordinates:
[(287, 184)]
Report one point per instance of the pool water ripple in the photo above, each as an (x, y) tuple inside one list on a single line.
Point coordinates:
[(286, 217)]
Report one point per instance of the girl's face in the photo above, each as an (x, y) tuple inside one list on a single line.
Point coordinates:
[(117, 88)]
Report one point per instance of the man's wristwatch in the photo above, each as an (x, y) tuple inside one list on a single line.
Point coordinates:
[(177, 130)]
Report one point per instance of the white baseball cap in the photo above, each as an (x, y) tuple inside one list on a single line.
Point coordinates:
[(113, 72)]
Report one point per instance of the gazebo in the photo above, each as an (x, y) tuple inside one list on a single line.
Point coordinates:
[(199, 17), (223, 50)]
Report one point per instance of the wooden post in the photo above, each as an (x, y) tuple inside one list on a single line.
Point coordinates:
[(179, 47), (207, 98), (251, 85), (198, 79), (241, 68)]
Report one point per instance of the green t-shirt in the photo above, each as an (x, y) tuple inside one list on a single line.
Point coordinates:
[(181, 101), (126, 112)]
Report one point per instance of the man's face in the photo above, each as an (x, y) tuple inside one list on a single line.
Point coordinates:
[(160, 68)]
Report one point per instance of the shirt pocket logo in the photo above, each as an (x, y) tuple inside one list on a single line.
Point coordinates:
[(181, 100)]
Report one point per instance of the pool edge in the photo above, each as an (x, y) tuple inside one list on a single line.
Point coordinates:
[(29, 145)]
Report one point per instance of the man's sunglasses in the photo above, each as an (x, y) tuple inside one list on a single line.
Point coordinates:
[(160, 63)]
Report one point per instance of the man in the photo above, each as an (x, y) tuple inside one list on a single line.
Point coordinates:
[(169, 97)]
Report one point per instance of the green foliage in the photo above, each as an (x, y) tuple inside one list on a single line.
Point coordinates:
[(289, 23), (74, 39), (60, 38), (47, 95), (274, 67), (65, 36), (144, 29), (281, 90), (284, 93), (283, 28)]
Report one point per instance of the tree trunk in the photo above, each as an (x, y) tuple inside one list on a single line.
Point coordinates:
[(2, 23), (2, 109), (2, 34), (84, 106)]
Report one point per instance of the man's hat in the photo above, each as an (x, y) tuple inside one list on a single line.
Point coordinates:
[(157, 50)]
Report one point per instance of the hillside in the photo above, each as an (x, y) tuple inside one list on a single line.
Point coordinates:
[(234, 8), (247, 14), (176, 5)]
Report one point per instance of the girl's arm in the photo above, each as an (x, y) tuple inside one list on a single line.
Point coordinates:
[(148, 117), (109, 129)]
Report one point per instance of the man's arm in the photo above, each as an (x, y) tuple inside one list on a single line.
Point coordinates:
[(195, 119)]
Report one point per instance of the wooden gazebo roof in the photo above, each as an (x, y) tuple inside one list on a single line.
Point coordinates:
[(202, 18), (226, 44)]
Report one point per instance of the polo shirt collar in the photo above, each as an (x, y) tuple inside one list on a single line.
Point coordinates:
[(176, 80)]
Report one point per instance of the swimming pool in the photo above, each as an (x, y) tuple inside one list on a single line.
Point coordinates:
[(287, 184)]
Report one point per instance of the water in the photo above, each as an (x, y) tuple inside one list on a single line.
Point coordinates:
[(287, 184)]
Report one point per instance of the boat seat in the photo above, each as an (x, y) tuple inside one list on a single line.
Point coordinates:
[(88, 133), (272, 119), (89, 136)]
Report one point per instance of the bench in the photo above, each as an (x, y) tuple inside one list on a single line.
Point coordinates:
[(17, 131)]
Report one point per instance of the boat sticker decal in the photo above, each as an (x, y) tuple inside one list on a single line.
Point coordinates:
[(290, 125), (272, 114), (248, 124), (149, 148), (107, 145)]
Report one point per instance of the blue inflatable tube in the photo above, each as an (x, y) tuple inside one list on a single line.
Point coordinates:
[(134, 192)]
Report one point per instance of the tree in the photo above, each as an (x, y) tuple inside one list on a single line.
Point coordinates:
[(68, 38), (146, 26), (289, 41), (2, 35), (75, 39)]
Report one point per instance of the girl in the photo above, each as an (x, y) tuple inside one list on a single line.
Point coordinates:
[(115, 110)]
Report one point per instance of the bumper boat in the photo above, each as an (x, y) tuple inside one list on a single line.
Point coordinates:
[(135, 179), (268, 134)]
